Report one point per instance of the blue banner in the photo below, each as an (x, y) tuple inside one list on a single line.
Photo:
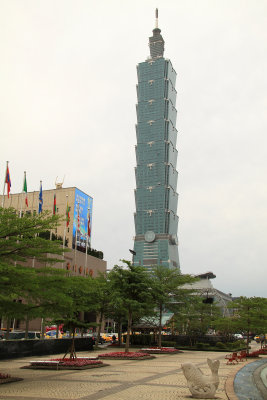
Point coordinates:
[(82, 219)]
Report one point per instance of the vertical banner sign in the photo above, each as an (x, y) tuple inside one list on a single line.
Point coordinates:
[(84, 202)]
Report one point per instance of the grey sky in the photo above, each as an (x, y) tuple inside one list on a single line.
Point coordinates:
[(67, 107)]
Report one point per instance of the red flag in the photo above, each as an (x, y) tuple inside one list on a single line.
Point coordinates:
[(8, 180), (25, 189), (68, 215), (55, 205)]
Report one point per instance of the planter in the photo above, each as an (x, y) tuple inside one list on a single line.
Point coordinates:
[(163, 350), (131, 355), (5, 378), (60, 364)]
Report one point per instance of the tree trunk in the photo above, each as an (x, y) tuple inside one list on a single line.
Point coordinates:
[(71, 349), (42, 329), (119, 332), (8, 322), (127, 345), (27, 321), (99, 329), (248, 342), (160, 326)]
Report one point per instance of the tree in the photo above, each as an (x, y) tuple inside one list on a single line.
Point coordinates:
[(167, 291), (19, 240), (20, 243), (195, 317), (131, 284), (249, 315), (102, 299), (81, 294)]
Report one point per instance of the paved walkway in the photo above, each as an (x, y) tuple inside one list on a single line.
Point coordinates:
[(158, 379)]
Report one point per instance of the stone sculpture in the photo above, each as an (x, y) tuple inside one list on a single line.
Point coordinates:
[(202, 386)]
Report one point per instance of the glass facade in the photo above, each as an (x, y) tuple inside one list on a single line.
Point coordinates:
[(156, 220)]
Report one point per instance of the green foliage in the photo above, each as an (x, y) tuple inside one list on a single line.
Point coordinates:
[(130, 287), (226, 326), (20, 240), (141, 340), (249, 315), (166, 343), (167, 291), (220, 345), (194, 317), (95, 253)]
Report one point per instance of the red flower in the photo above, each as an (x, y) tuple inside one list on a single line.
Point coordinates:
[(122, 354), (79, 362), (4, 376)]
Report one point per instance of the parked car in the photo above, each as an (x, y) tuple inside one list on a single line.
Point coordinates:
[(107, 337), (53, 335), (238, 336)]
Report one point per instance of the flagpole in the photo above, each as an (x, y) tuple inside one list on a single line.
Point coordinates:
[(40, 201), (53, 214), (88, 210), (65, 226), (20, 213), (76, 233), (3, 199), (64, 236)]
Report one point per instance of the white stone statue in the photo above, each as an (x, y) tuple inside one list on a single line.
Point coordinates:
[(202, 386)]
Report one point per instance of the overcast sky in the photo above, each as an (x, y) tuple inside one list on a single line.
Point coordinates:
[(67, 107)]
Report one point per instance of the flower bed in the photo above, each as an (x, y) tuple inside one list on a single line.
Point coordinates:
[(66, 363), (121, 355), (6, 378), (162, 350)]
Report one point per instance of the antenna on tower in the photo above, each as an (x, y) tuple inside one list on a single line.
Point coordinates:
[(157, 18)]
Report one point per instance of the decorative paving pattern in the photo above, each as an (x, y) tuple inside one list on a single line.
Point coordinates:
[(156, 379)]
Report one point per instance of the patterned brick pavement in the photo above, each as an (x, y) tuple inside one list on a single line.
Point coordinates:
[(156, 379)]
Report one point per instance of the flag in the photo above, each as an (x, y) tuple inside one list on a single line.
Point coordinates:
[(25, 189), (55, 205), (40, 198), (8, 180), (67, 215)]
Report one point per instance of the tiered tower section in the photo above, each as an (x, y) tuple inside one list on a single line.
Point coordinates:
[(156, 220)]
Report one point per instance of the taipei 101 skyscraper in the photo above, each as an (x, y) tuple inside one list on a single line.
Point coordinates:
[(156, 220)]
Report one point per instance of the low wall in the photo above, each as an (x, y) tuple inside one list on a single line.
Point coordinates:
[(26, 348)]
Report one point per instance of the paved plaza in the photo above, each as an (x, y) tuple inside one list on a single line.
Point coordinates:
[(160, 378)]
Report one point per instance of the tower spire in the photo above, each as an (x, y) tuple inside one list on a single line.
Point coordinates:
[(156, 42), (157, 18)]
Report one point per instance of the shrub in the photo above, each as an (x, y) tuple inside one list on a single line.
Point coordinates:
[(168, 344), (201, 345), (239, 343), (141, 340), (220, 345)]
